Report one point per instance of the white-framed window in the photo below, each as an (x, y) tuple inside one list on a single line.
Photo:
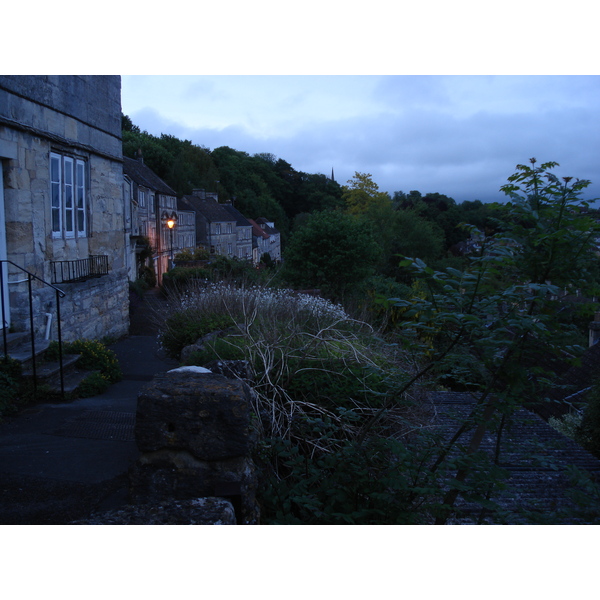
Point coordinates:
[(80, 208), (229, 228), (142, 198), (68, 191), (229, 249), (218, 229)]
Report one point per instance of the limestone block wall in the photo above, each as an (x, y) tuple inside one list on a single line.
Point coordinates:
[(79, 117), (85, 108), (92, 309)]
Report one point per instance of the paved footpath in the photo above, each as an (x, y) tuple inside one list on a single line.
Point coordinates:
[(58, 462)]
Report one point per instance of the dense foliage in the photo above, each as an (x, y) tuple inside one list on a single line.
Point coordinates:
[(10, 385), (260, 185), (346, 434), (331, 251), (468, 296)]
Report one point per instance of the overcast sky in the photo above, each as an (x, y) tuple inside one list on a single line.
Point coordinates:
[(457, 135)]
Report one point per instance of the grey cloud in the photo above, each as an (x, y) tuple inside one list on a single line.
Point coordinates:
[(416, 140)]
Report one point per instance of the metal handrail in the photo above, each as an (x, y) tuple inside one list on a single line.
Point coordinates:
[(82, 269), (59, 294)]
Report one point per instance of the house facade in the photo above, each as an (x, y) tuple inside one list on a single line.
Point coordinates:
[(216, 227), (260, 242), (153, 205), (243, 249), (274, 243), (62, 216)]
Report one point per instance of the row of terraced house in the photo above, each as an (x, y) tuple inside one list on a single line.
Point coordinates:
[(76, 216), (170, 224)]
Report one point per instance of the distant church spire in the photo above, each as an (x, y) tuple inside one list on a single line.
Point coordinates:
[(332, 178)]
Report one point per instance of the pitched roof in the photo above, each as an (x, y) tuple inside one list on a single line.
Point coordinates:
[(264, 224), (532, 486), (210, 209), (145, 176), (257, 231), (234, 212)]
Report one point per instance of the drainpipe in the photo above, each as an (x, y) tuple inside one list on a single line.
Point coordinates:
[(48, 325)]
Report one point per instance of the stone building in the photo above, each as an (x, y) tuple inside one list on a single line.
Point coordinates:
[(152, 204), (62, 215), (274, 245), (216, 227), (243, 249), (260, 242)]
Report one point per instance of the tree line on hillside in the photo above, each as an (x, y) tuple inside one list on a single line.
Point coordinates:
[(259, 185), (343, 239), (425, 226)]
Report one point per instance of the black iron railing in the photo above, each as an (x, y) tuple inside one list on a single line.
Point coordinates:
[(71, 271), (3, 302)]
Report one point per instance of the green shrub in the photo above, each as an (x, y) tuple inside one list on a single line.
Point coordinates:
[(569, 425), (368, 484), (221, 348), (195, 254), (11, 367), (147, 275), (589, 431), (139, 287), (95, 356), (93, 385), (10, 385), (185, 327), (8, 394), (179, 278), (335, 382)]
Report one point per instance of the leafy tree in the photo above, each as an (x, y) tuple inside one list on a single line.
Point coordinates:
[(551, 226), (415, 237), (500, 313), (156, 156), (332, 251), (449, 215), (127, 124), (249, 180), (361, 193), (402, 232)]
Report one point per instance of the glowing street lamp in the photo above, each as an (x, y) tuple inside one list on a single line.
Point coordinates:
[(170, 221)]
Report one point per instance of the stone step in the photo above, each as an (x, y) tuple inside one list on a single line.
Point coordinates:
[(48, 370), (14, 340), (71, 381), (22, 352)]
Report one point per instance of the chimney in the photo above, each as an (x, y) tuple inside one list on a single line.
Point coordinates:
[(200, 193), (140, 156)]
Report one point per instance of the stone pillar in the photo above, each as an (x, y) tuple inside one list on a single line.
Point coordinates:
[(195, 436)]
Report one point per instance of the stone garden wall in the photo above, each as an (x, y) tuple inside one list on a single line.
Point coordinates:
[(196, 436)]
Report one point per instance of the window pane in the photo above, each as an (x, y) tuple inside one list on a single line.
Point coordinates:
[(55, 195), (68, 195), (80, 201), (55, 184), (80, 221), (54, 168), (55, 219)]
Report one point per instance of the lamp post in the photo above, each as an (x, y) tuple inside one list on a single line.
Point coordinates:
[(170, 221)]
